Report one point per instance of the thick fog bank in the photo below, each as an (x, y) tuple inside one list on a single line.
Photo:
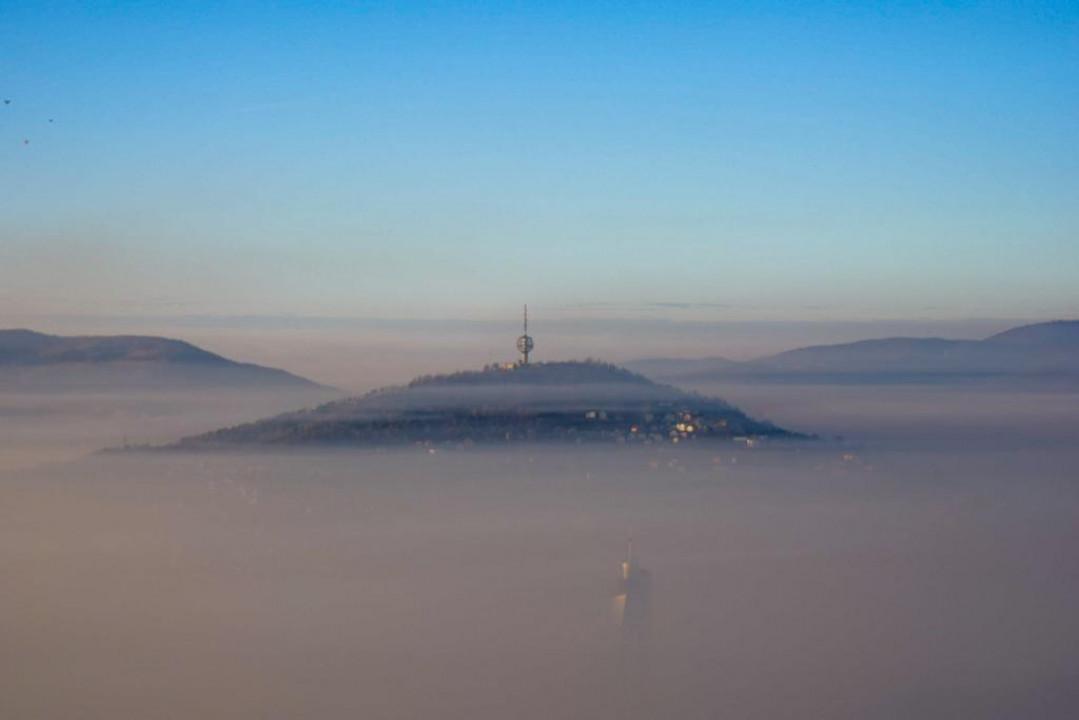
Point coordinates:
[(918, 417), (788, 583), (40, 428)]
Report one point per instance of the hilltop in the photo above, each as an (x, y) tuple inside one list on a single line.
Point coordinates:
[(563, 401), (32, 360)]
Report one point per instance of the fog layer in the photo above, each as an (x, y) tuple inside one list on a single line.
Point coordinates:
[(923, 568)]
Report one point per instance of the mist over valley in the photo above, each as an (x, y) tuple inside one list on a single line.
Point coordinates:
[(478, 582)]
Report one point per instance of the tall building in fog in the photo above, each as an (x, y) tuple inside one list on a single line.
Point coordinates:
[(632, 599)]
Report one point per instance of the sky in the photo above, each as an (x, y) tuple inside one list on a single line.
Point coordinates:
[(696, 162)]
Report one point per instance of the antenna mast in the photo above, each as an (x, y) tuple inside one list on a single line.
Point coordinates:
[(525, 342)]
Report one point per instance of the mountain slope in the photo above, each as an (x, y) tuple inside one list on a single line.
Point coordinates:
[(1055, 334), (35, 361), (1039, 350), (570, 401)]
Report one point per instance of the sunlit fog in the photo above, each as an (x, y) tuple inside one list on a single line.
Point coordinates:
[(928, 576)]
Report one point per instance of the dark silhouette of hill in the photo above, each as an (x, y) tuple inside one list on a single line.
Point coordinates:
[(1043, 350), (564, 401), (36, 361)]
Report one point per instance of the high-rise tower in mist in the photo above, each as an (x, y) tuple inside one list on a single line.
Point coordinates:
[(631, 599)]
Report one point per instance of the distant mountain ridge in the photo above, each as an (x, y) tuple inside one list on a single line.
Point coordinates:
[(37, 360), (1043, 350), (1056, 333), (28, 347), (558, 402)]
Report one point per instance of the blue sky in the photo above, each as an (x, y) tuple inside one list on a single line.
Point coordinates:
[(702, 161)]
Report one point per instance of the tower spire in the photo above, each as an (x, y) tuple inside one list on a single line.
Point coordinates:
[(525, 342)]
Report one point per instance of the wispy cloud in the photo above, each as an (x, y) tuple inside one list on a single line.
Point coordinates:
[(690, 305)]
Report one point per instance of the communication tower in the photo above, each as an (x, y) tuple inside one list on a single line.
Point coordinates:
[(525, 342)]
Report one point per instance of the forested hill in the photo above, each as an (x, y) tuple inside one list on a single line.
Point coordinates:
[(565, 401)]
